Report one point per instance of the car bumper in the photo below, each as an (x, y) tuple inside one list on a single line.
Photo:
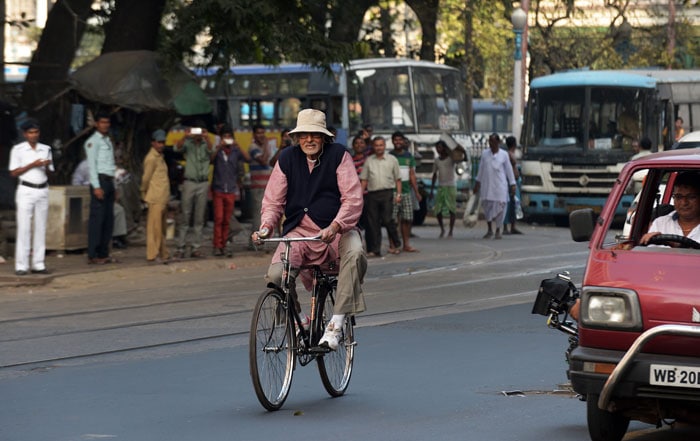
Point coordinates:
[(631, 377)]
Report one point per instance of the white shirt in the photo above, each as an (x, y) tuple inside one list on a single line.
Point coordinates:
[(23, 154), (81, 175), (669, 225), (495, 176)]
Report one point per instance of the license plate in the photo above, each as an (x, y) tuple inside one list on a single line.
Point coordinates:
[(674, 376)]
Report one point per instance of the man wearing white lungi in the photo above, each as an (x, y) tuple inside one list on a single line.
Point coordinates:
[(495, 184)]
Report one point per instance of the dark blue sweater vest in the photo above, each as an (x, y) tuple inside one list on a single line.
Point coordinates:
[(315, 194)]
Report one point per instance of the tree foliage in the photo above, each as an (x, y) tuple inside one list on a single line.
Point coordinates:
[(252, 31), (486, 51)]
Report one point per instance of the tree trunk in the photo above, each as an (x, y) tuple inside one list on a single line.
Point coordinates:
[(386, 21), (347, 20), (427, 11), (134, 25), (2, 40), (468, 60), (671, 33), (48, 70)]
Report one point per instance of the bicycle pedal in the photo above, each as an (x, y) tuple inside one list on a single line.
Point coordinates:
[(320, 350)]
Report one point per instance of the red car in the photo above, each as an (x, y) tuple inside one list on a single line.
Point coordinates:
[(638, 353)]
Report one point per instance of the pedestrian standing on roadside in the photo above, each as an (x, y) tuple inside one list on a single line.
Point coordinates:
[(197, 148), (495, 183), (30, 162), (359, 154), (224, 185), (155, 192), (381, 184), (99, 151), (514, 199), (403, 209)]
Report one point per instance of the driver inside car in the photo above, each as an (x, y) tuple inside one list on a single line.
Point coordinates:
[(685, 219)]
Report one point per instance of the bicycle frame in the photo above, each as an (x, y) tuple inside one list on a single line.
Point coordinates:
[(322, 284), (278, 341)]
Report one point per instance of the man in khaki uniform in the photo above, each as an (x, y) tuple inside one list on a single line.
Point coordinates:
[(155, 191)]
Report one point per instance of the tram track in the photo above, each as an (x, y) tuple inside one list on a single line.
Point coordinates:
[(392, 288), (134, 348)]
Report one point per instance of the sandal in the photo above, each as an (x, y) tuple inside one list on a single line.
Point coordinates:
[(411, 250), (394, 251)]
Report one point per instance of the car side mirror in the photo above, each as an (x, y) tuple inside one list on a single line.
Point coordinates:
[(581, 224)]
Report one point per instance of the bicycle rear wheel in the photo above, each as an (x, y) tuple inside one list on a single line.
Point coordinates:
[(271, 350), (335, 367)]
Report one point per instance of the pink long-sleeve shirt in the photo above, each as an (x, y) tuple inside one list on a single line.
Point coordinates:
[(314, 253)]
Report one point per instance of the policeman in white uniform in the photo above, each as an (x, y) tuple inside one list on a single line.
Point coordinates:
[(30, 161)]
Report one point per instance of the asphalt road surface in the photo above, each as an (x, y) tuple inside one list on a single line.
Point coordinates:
[(448, 350)]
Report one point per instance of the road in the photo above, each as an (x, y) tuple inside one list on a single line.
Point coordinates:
[(161, 352), (130, 308)]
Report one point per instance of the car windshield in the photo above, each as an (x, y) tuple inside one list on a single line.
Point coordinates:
[(654, 210)]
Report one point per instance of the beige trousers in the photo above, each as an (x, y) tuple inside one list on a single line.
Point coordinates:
[(349, 298), (155, 232)]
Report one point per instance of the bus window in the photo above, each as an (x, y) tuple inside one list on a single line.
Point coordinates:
[(431, 87), (256, 112), (483, 123), (267, 113), (399, 113), (263, 87), (490, 116), (318, 104), (384, 97)]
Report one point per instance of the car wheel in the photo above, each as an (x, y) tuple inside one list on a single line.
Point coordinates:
[(604, 425)]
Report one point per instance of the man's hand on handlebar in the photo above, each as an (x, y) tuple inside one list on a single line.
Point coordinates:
[(328, 234), (262, 233)]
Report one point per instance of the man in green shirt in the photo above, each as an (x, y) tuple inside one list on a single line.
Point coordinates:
[(197, 148), (403, 209)]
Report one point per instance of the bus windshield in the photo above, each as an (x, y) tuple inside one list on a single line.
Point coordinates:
[(384, 97), (597, 118)]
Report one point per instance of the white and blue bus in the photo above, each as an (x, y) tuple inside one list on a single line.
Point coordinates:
[(579, 128), (491, 116), (419, 98)]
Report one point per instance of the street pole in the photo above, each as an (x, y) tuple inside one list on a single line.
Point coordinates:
[(519, 19)]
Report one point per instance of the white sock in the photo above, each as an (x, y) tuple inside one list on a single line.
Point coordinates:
[(338, 320)]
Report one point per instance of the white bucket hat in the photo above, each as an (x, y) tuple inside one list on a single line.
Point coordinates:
[(312, 121)]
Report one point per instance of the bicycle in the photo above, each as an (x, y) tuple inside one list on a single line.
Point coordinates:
[(278, 340)]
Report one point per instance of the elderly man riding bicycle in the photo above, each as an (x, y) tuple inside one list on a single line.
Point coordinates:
[(315, 186)]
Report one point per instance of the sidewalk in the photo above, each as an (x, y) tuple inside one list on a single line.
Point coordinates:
[(134, 256)]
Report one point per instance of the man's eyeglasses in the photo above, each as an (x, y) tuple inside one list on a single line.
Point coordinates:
[(691, 197), (303, 135)]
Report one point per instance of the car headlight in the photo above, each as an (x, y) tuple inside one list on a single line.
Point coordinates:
[(603, 307)]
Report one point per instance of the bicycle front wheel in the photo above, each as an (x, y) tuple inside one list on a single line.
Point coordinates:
[(271, 350), (335, 367)]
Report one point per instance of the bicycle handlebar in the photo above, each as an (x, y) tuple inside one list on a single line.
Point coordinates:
[(291, 239)]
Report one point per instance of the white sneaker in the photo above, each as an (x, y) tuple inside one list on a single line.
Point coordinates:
[(331, 337)]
